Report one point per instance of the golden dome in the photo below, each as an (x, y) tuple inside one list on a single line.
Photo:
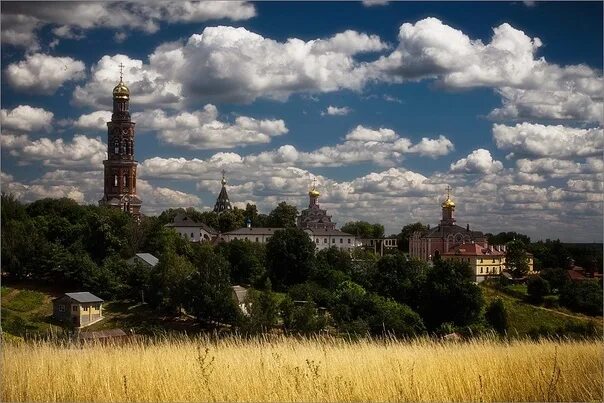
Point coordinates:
[(448, 203), (314, 193), (121, 91)]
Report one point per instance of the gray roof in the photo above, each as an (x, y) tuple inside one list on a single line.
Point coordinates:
[(240, 293), (148, 258), (83, 297), (441, 231), (328, 232), (254, 231), (182, 220)]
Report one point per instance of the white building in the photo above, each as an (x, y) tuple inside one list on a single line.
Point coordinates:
[(192, 230), (323, 238)]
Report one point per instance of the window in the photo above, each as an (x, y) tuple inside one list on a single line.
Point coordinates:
[(61, 308), (74, 308), (481, 260), (97, 307), (324, 240), (86, 308), (125, 180), (115, 180), (235, 238), (191, 235), (256, 239), (116, 149), (341, 240), (317, 240), (348, 240), (333, 240), (481, 270), (493, 260)]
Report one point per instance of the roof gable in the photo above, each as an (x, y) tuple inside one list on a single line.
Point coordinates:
[(83, 297)]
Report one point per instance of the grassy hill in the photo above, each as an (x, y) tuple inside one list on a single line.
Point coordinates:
[(524, 318), (28, 309)]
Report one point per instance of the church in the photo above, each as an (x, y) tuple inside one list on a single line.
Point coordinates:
[(120, 165), (446, 235)]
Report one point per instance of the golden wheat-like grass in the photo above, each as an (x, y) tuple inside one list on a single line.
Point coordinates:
[(293, 370)]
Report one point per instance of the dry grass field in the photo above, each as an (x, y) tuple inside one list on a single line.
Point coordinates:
[(287, 369)]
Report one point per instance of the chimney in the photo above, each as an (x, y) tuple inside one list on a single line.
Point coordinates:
[(468, 227)]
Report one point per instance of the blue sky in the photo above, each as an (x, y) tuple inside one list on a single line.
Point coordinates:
[(385, 104)]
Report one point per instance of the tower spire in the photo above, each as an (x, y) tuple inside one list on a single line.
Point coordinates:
[(222, 202), (121, 71), (448, 207)]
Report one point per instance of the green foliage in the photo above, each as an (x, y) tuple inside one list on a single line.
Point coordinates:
[(263, 312), (556, 277), (516, 258), (290, 257), (170, 280), (407, 232), (504, 238), (246, 260), (363, 229), (230, 220), (256, 220), (582, 296), (283, 216), (398, 278), (497, 316), (537, 288), (208, 289), (302, 318), (450, 296)]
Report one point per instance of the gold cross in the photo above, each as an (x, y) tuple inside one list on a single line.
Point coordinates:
[(121, 70), (223, 172), (314, 183), (448, 191)]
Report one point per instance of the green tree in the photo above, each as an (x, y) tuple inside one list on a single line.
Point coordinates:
[(504, 237), (537, 288), (497, 316), (582, 296), (290, 257), (516, 258), (230, 220), (556, 277), (209, 292), (283, 216), (246, 260), (170, 281), (390, 317), (408, 231), (449, 295), (398, 278), (263, 312), (302, 318), (363, 229)]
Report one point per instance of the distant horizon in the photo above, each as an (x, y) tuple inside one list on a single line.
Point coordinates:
[(384, 104)]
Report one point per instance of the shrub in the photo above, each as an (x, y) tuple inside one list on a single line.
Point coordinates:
[(537, 288), (496, 315)]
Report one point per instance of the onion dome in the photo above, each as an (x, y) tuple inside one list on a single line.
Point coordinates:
[(448, 203), (121, 91), (314, 193)]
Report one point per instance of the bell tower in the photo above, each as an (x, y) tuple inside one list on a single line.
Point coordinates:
[(120, 165)]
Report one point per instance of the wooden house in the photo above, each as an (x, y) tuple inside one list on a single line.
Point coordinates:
[(78, 308)]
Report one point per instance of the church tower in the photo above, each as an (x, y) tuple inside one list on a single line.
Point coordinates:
[(448, 209), (120, 165), (314, 217), (222, 203)]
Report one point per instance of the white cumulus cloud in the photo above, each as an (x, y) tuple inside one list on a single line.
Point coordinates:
[(42, 73)]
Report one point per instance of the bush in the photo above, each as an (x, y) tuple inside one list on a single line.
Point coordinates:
[(557, 278), (496, 315), (537, 288)]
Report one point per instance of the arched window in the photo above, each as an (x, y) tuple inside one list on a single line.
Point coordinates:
[(125, 180), (115, 180), (116, 148)]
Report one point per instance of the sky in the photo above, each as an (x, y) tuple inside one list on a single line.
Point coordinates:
[(385, 104)]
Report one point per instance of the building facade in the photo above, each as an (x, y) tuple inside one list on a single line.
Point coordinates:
[(444, 236), (79, 309), (314, 217), (120, 165), (192, 230)]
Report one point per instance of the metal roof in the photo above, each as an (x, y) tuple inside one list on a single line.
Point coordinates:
[(83, 297), (148, 258), (240, 293), (182, 220), (327, 232), (254, 231)]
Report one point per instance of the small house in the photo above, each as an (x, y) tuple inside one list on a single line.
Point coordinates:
[(146, 259), (240, 297), (78, 308)]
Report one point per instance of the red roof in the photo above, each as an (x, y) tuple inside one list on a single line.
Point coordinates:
[(472, 249)]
